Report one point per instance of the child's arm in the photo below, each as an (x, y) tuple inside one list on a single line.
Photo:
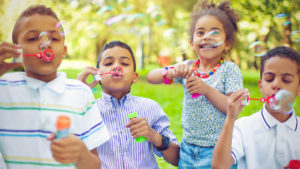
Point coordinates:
[(196, 85), (8, 50), (72, 150), (179, 71), (140, 127), (82, 76), (222, 157)]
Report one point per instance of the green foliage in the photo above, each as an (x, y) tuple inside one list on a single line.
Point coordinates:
[(158, 25)]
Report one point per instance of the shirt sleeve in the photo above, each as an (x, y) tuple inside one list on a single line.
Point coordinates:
[(233, 78), (161, 124), (237, 148), (93, 130)]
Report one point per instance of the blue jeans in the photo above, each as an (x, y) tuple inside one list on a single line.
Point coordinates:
[(195, 157)]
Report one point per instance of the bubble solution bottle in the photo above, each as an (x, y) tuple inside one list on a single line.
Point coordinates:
[(138, 139), (63, 124)]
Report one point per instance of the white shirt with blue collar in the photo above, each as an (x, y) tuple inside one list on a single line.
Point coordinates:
[(261, 141), (28, 112), (122, 151)]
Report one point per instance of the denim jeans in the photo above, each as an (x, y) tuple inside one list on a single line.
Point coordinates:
[(195, 157)]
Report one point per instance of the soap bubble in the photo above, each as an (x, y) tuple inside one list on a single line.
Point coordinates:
[(257, 48)]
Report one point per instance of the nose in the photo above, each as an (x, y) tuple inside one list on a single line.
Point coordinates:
[(276, 84)]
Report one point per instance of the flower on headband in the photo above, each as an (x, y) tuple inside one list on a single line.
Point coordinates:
[(293, 164)]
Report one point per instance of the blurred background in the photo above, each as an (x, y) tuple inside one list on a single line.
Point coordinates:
[(157, 31)]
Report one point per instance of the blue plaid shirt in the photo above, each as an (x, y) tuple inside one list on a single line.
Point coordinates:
[(121, 151)]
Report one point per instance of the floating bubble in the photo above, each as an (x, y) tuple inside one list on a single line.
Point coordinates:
[(282, 18), (213, 33), (217, 44), (286, 23), (133, 17), (115, 19), (281, 15), (60, 26), (282, 101), (258, 48), (295, 36), (104, 9), (45, 39)]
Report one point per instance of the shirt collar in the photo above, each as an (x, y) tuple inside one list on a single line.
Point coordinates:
[(270, 121), (57, 85), (113, 100)]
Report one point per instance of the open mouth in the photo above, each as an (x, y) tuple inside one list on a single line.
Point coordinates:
[(209, 45), (202, 46)]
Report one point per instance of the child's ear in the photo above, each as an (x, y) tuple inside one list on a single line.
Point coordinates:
[(298, 91), (135, 77), (260, 85), (65, 51), (191, 42), (227, 45)]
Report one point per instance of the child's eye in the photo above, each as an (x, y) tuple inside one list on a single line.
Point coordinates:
[(269, 79), (32, 39), (54, 39), (125, 64), (215, 33), (287, 80), (200, 33), (107, 64)]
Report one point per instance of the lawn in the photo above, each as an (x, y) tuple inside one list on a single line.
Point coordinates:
[(170, 98)]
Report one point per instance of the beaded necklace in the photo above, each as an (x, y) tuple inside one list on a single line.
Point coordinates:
[(206, 75)]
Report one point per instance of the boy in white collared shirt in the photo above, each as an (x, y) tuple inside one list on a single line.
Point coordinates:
[(31, 101), (268, 138)]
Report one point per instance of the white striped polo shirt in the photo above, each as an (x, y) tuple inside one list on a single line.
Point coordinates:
[(28, 112), (261, 141)]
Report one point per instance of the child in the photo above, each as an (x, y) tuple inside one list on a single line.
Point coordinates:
[(203, 116), (269, 138), (31, 101), (122, 151)]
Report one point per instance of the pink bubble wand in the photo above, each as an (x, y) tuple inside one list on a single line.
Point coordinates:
[(114, 71)]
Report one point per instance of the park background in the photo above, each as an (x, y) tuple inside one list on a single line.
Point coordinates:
[(158, 32)]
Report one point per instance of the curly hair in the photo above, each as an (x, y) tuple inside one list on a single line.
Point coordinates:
[(227, 16)]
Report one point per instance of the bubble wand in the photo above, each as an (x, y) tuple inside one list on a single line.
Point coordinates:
[(282, 100), (114, 71)]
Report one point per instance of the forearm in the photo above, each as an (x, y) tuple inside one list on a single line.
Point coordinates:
[(222, 152), (218, 99), (171, 155), (155, 76), (89, 160)]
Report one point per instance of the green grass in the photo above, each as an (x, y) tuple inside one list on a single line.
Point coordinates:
[(170, 97)]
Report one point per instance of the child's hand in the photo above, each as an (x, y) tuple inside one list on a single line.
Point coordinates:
[(195, 85), (234, 103), (8, 50), (182, 71), (85, 73), (139, 126), (66, 150)]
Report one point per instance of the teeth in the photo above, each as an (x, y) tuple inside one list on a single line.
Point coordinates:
[(207, 46)]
